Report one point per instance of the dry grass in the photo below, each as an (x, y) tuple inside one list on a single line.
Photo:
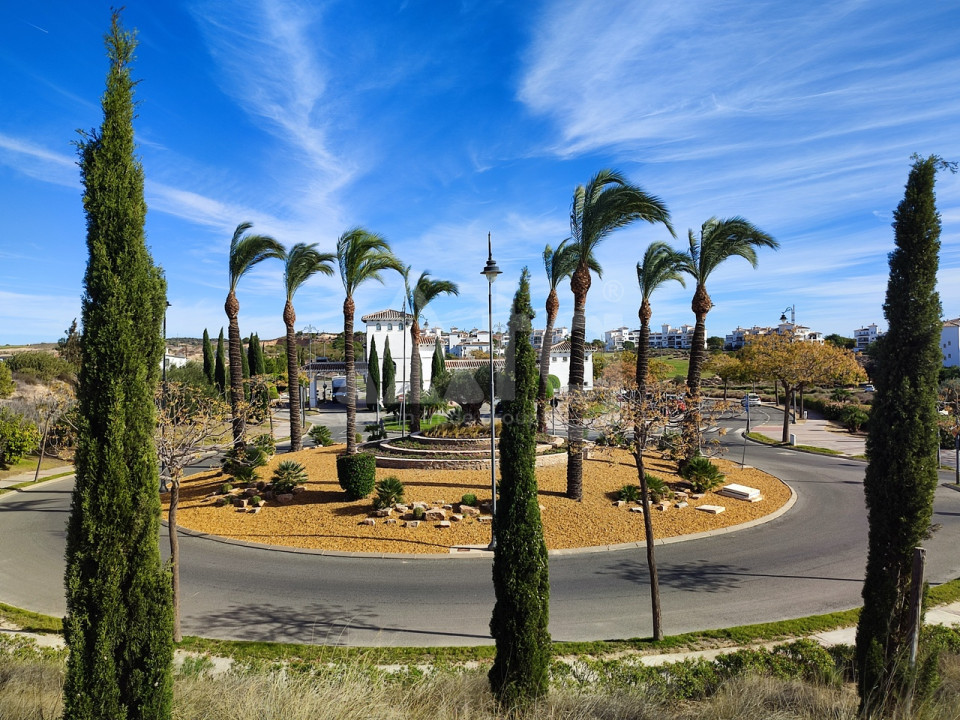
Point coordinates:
[(321, 517)]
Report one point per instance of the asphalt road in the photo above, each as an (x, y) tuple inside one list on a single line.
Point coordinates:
[(810, 560)]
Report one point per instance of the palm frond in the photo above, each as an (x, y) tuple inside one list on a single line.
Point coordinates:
[(249, 250), (426, 290), (303, 261), (660, 264), (721, 239), (362, 256)]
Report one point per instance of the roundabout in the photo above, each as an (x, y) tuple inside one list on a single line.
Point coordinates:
[(807, 561), (321, 518)]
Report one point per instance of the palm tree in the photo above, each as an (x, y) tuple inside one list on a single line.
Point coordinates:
[(720, 239), (559, 264), (301, 262), (362, 256), (245, 252), (418, 297), (607, 203), (660, 264)]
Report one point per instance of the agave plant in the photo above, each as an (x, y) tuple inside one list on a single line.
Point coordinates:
[(287, 476), (629, 493)]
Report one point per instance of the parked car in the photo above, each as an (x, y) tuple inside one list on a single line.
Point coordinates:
[(751, 399), (867, 387)]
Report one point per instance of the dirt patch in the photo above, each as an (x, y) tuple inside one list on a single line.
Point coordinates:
[(321, 517)]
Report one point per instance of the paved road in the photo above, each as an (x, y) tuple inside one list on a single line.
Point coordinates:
[(808, 561)]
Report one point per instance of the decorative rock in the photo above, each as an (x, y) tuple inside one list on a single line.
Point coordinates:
[(368, 521), (456, 517), (542, 508), (486, 506), (384, 512), (446, 506), (443, 524), (665, 505), (485, 519), (469, 511), (682, 504), (619, 503), (267, 495), (712, 509), (297, 489), (435, 515), (258, 508), (401, 508), (250, 492), (413, 523), (680, 496), (284, 498), (697, 496), (240, 502), (390, 521), (220, 501), (739, 492), (421, 505), (637, 509)]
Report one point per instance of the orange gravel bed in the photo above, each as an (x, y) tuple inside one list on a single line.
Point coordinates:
[(322, 518)]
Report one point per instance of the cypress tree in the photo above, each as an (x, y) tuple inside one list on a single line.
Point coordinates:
[(220, 368), (520, 671), (373, 376), (119, 622), (438, 366), (207, 357), (389, 376), (245, 359), (261, 358), (902, 443)]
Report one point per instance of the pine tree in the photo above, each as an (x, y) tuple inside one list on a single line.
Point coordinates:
[(208, 362), (220, 368), (389, 376), (119, 620), (902, 444), (520, 671), (373, 376)]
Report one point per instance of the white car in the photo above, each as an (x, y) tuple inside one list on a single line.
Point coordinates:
[(750, 399)]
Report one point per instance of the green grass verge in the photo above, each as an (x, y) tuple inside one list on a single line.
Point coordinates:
[(30, 621), (434, 421), (29, 483), (761, 438)]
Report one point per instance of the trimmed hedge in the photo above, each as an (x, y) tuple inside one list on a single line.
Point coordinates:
[(357, 474)]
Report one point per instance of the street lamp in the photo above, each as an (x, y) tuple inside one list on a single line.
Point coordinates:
[(490, 271), (793, 315), (311, 329)]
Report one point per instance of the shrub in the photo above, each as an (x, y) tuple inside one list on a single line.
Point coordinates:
[(702, 474), (18, 436), (657, 488), (469, 499), (243, 465), (41, 365), (7, 385), (266, 443), (287, 476), (418, 513), (226, 489), (357, 474), (256, 501), (321, 435), (630, 493), (456, 416), (389, 492), (451, 430), (853, 418)]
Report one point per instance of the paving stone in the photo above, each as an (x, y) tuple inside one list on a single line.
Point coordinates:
[(368, 521), (712, 509)]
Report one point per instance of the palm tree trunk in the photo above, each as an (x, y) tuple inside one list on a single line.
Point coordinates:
[(691, 420), (413, 404), (175, 553), (580, 283), (293, 379), (643, 349), (349, 360), (553, 304), (232, 307)]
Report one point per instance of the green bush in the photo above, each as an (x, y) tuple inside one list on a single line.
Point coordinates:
[(321, 435), (226, 489), (419, 513), (357, 474), (7, 385), (702, 474), (266, 443), (41, 365), (287, 476), (256, 501), (18, 436), (389, 493), (629, 493), (854, 418), (242, 465), (469, 499), (657, 488)]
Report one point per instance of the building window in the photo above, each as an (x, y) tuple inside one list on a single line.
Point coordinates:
[(389, 326), (378, 327)]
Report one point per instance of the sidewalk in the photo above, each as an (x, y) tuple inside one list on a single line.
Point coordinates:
[(817, 432), (28, 476)]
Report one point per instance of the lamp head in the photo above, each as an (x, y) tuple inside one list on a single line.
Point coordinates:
[(490, 271)]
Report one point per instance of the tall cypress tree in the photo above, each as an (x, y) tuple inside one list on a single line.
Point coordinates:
[(520, 671), (438, 366), (389, 376), (245, 359), (119, 621), (373, 376), (220, 368), (207, 357), (902, 444)]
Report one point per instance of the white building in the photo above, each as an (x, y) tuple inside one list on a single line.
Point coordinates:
[(560, 365), (559, 335), (613, 340), (680, 338), (950, 342), (798, 333), (865, 336)]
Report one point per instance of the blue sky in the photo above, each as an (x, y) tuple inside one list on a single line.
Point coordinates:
[(436, 122)]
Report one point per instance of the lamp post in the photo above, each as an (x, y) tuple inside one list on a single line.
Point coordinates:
[(490, 271), (311, 329), (793, 315)]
